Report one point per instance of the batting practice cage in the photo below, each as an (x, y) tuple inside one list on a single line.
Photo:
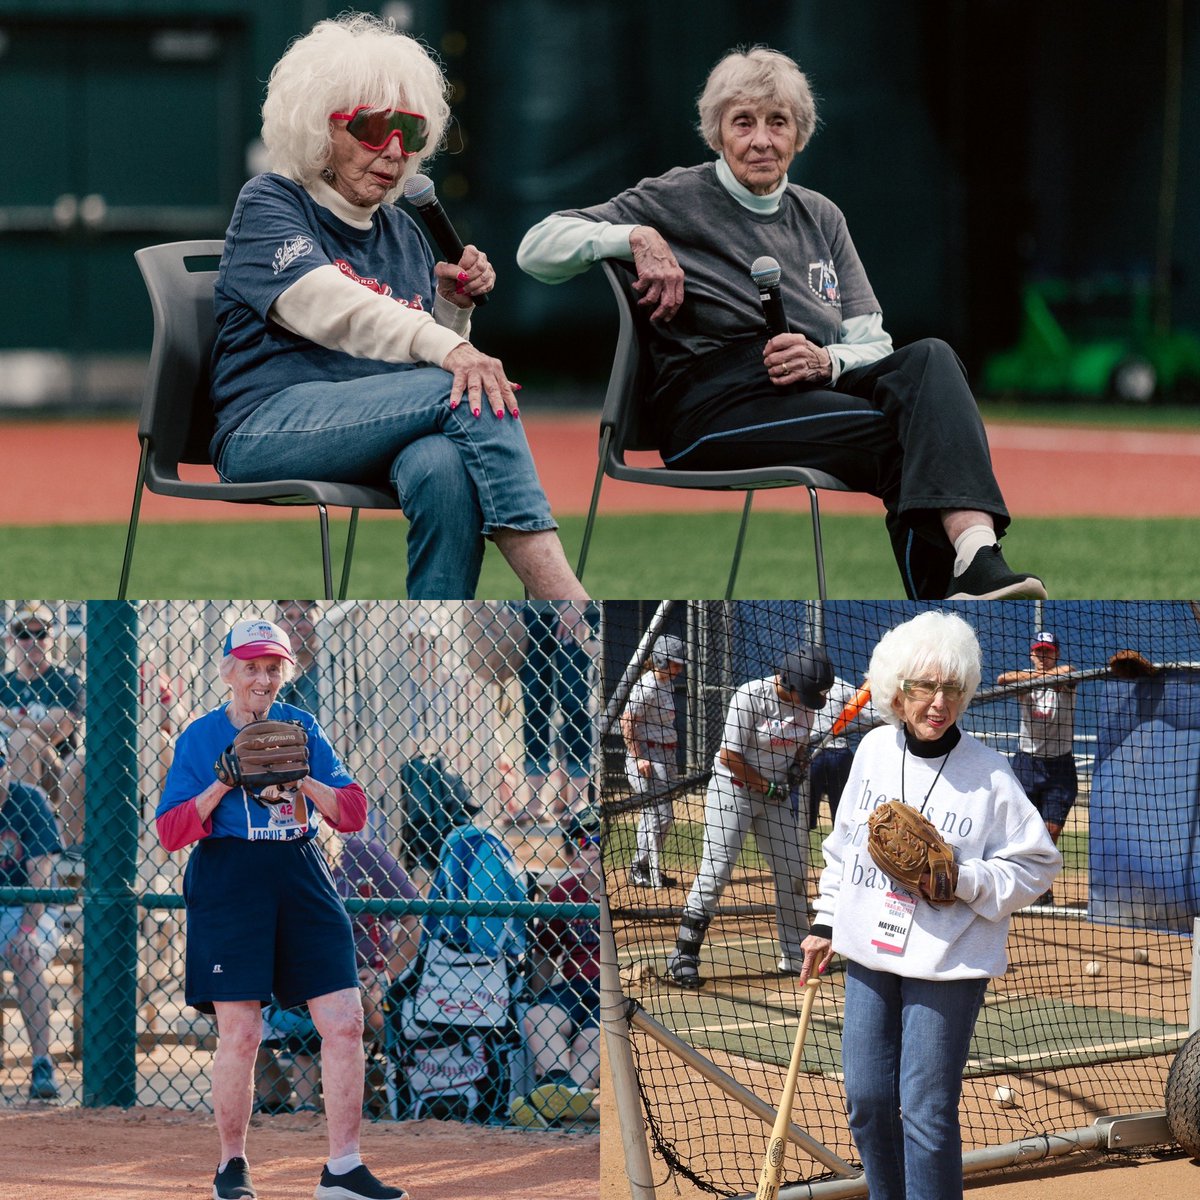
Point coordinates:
[(1087, 1041), (472, 891)]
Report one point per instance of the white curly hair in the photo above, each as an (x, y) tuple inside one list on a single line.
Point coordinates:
[(757, 75), (353, 59), (933, 645)]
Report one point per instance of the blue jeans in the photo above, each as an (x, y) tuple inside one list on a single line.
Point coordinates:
[(555, 675), (904, 1047), (458, 477)]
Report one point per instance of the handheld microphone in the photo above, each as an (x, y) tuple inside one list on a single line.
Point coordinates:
[(419, 192), (765, 273)]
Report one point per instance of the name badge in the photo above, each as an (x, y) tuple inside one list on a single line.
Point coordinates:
[(895, 921)]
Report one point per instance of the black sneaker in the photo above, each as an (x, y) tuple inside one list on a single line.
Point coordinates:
[(358, 1184), (639, 876), (233, 1183), (989, 578)]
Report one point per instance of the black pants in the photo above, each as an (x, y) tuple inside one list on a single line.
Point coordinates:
[(905, 429)]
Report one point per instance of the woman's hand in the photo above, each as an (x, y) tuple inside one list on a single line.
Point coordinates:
[(659, 277), (462, 281), (478, 375), (818, 954), (790, 358)]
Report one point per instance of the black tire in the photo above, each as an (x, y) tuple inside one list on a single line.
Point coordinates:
[(1183, 1096)]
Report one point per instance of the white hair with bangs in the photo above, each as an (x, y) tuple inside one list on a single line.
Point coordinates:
[(353, 60), (933, 645), (756, 76)]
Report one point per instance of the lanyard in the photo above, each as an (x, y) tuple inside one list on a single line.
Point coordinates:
[(903, 761)]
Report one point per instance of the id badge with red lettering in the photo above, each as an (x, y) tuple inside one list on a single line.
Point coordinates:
[(895, 921)]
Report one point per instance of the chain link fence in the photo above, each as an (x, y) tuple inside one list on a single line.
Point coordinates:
[(471, 889)]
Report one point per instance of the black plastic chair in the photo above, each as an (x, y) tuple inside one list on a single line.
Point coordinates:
[(177, 420), (625, 424)]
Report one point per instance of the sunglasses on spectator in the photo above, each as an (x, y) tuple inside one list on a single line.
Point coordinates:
[(25, 634), (374, 129), (926, 689)]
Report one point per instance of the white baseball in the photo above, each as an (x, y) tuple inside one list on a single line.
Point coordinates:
[(1005, 1097), (1092, 968), (1141, 955)]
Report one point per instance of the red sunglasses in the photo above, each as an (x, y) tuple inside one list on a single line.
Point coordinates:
[(375, 128)]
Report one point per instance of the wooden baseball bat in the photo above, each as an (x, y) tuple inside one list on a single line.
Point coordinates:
[(772, 1168)]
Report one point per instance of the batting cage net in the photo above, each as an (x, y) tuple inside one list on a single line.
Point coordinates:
[(471, 890), (1095, 1002)]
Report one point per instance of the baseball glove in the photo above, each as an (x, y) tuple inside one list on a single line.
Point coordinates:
[(905, 845), (264, 753), (1129, 664)]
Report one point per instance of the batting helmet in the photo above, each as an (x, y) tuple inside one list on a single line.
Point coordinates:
[(667, 649), (809, 674)]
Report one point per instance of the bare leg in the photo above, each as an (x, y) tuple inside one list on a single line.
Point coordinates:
[(239, 1031), (338, 1017), (540, 564), (956, 521)]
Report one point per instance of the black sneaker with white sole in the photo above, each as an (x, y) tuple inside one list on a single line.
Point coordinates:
[(233, 1183), (358, 1184), (639, 876), (989, 577)]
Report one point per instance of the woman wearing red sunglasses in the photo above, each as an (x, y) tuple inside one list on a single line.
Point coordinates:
[(343, 348)]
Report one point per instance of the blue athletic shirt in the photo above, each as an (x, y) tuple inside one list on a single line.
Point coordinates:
[(202, 743), (27, 830), (277, 234)]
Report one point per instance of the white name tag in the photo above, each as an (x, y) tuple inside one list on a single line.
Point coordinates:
[(895, 921)]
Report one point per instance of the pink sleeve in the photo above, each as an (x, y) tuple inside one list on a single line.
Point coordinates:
[(181, 826), (352, 808)]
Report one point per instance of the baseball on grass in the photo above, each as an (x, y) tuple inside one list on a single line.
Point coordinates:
[(1141, 955), (1005, 1097), (1092, 968)]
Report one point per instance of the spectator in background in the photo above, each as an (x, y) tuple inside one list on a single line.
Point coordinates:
[(29, 935), (43, 715), (562, 1022), (367, 869), (830, 766), (556, 686), (1045, 761), (298, 619)]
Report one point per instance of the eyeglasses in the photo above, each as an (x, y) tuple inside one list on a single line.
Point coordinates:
[(926, 689), (30, 635), (374, 129)]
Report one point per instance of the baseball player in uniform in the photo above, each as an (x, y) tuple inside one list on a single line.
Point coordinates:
[(1045, 760), (648, 727), (767, 732), (264, 917)]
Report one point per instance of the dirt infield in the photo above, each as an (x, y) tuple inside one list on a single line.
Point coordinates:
[(113, 1154)]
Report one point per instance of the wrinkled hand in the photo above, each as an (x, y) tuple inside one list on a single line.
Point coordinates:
[(790, 358), (818, 954), (462, 281), (659, 280), (478, 375)]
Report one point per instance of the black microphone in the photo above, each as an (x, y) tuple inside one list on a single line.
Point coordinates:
[(419, 192), (766, 275)]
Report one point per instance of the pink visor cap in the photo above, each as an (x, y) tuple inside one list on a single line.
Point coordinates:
[(257, 636)]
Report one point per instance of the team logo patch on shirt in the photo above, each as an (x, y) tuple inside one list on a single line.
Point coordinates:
[(823, 280), (291, 250)]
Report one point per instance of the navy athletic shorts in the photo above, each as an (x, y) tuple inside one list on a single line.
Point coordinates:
[(1050, 783), (263, 919), (578, 997)]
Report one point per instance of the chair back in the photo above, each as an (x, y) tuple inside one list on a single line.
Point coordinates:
[(627, 411), (177, 416)]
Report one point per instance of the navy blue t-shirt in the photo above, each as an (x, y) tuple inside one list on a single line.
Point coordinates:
[(27, 830), (278, 234)]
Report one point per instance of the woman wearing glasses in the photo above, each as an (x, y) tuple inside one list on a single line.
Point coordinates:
[(342, 347), (916, 973)]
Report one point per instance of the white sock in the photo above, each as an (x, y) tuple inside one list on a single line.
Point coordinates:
[(969, 543), (345, 1164)]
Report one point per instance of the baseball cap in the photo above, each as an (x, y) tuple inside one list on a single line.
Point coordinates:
[(27, 613), (808, 673), (254, 636), (667, 648), (1044, 638)]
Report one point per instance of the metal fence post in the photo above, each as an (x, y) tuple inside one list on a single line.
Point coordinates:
[(110, 900)]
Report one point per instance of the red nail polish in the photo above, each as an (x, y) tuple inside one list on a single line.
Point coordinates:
[(475, 411), (516, 413), (453, 404)]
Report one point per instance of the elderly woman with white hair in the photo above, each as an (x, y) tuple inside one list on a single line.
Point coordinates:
[(343, 349), (264, 918), (830, 393), (916, 970)]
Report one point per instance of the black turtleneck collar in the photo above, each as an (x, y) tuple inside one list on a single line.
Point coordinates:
[(935, 749)]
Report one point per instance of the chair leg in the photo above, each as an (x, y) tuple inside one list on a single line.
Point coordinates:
[(605, 441), (741, 541), (326, 567), (134, 514), (350, 534), (818, 548)]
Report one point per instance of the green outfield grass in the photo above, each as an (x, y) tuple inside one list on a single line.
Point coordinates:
[(678, 556)]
